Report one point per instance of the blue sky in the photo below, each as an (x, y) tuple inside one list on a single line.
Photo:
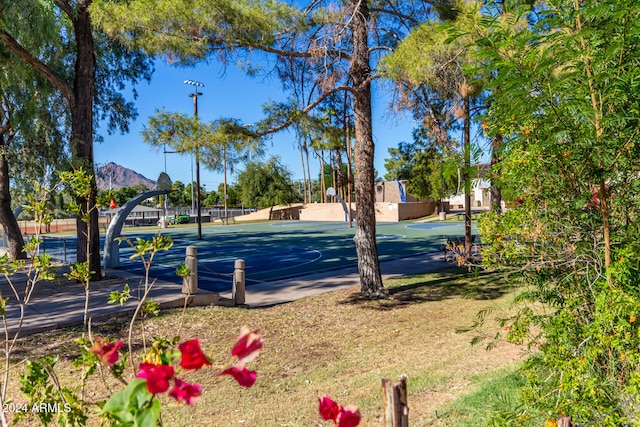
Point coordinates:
[(231, 94)]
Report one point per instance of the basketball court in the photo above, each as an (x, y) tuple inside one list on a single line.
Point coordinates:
[(272, 251)]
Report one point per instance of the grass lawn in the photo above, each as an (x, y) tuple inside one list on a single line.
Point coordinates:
[(335, 343)]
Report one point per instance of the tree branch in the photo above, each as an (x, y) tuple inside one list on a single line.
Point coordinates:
[(66, 8), (396, 14), (44, 69), (313, 53), (306, 109)]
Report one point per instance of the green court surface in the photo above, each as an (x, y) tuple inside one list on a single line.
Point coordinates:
[(277, 250)]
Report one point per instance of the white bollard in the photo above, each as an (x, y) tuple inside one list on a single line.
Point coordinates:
[(190, 283), (237, 292)]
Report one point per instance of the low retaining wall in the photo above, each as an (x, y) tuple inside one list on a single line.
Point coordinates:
[(385, 212), (277, 213), (325, 212)]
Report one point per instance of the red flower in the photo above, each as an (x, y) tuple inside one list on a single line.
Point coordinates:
[(157, 376), (247, 346), (192, 355), (182, 391), (329, 410), (349, 416), (106, 351), (241, 374)]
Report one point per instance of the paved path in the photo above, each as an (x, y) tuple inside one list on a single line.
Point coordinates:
[(61, 303)]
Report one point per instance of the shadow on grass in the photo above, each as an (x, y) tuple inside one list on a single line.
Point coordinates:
[(436, 286)]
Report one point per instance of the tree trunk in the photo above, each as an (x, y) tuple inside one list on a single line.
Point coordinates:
[(340, 181), (365, 237), (349, 177), (467, 178), (80, 100), (304, 172), (7, 219), (306, 156), (323, 184), (495, 191), (82, 136)]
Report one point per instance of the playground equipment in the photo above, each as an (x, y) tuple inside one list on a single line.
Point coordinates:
[(111, 252)]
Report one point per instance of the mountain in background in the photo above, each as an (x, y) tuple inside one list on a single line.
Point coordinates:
[(120, 177)]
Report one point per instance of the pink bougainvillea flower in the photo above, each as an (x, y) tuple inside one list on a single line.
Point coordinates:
[(329, 410), (241, 374), (349, 416), (192, 355), (247, 346), (106, 351), (182, 391), (157, 377)]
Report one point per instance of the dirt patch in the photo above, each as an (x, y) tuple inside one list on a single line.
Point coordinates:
[(335, 343)]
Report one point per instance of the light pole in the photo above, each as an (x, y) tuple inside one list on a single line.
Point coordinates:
[(195, 96), (224, 162)]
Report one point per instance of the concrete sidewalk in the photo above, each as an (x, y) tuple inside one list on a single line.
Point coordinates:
[(61, 304)]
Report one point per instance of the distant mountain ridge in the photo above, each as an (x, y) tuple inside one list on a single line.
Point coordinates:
[(120, 177)]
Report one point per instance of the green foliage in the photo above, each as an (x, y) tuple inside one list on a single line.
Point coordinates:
[(183, 271), (248, 22), (78, 181), (9, 267), (37, 204), (79, 271), (143, 248), (234, 194), (133, 406), (493, 402), (583, 329), (266, 184), (567, 105), (47, 398), (87, 360), (429, 172), (81, 185), (120, 297), (43, 266), (163, 351), (150, 308)]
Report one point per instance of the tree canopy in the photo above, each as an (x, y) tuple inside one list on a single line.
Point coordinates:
[(563, 94), (430, 172), (331, 47), (266, 184), (89, 70)]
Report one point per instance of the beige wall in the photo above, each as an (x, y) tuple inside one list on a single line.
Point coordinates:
[(394, 212), (385, 212), (325, 212), (279, 212), (417, 209)]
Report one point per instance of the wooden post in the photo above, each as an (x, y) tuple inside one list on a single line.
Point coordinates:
[(237, 292), (564, 422), (190, 283), (394, 402)]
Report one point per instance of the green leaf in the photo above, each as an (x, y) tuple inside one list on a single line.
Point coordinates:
[(148, 417), (151, 308), (3, 303), (183, 270), (127, 405), (117, 297)]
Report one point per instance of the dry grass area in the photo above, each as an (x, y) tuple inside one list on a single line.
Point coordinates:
[(335, 343)]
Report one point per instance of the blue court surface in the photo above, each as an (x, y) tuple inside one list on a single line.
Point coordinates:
[(272, 251)]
